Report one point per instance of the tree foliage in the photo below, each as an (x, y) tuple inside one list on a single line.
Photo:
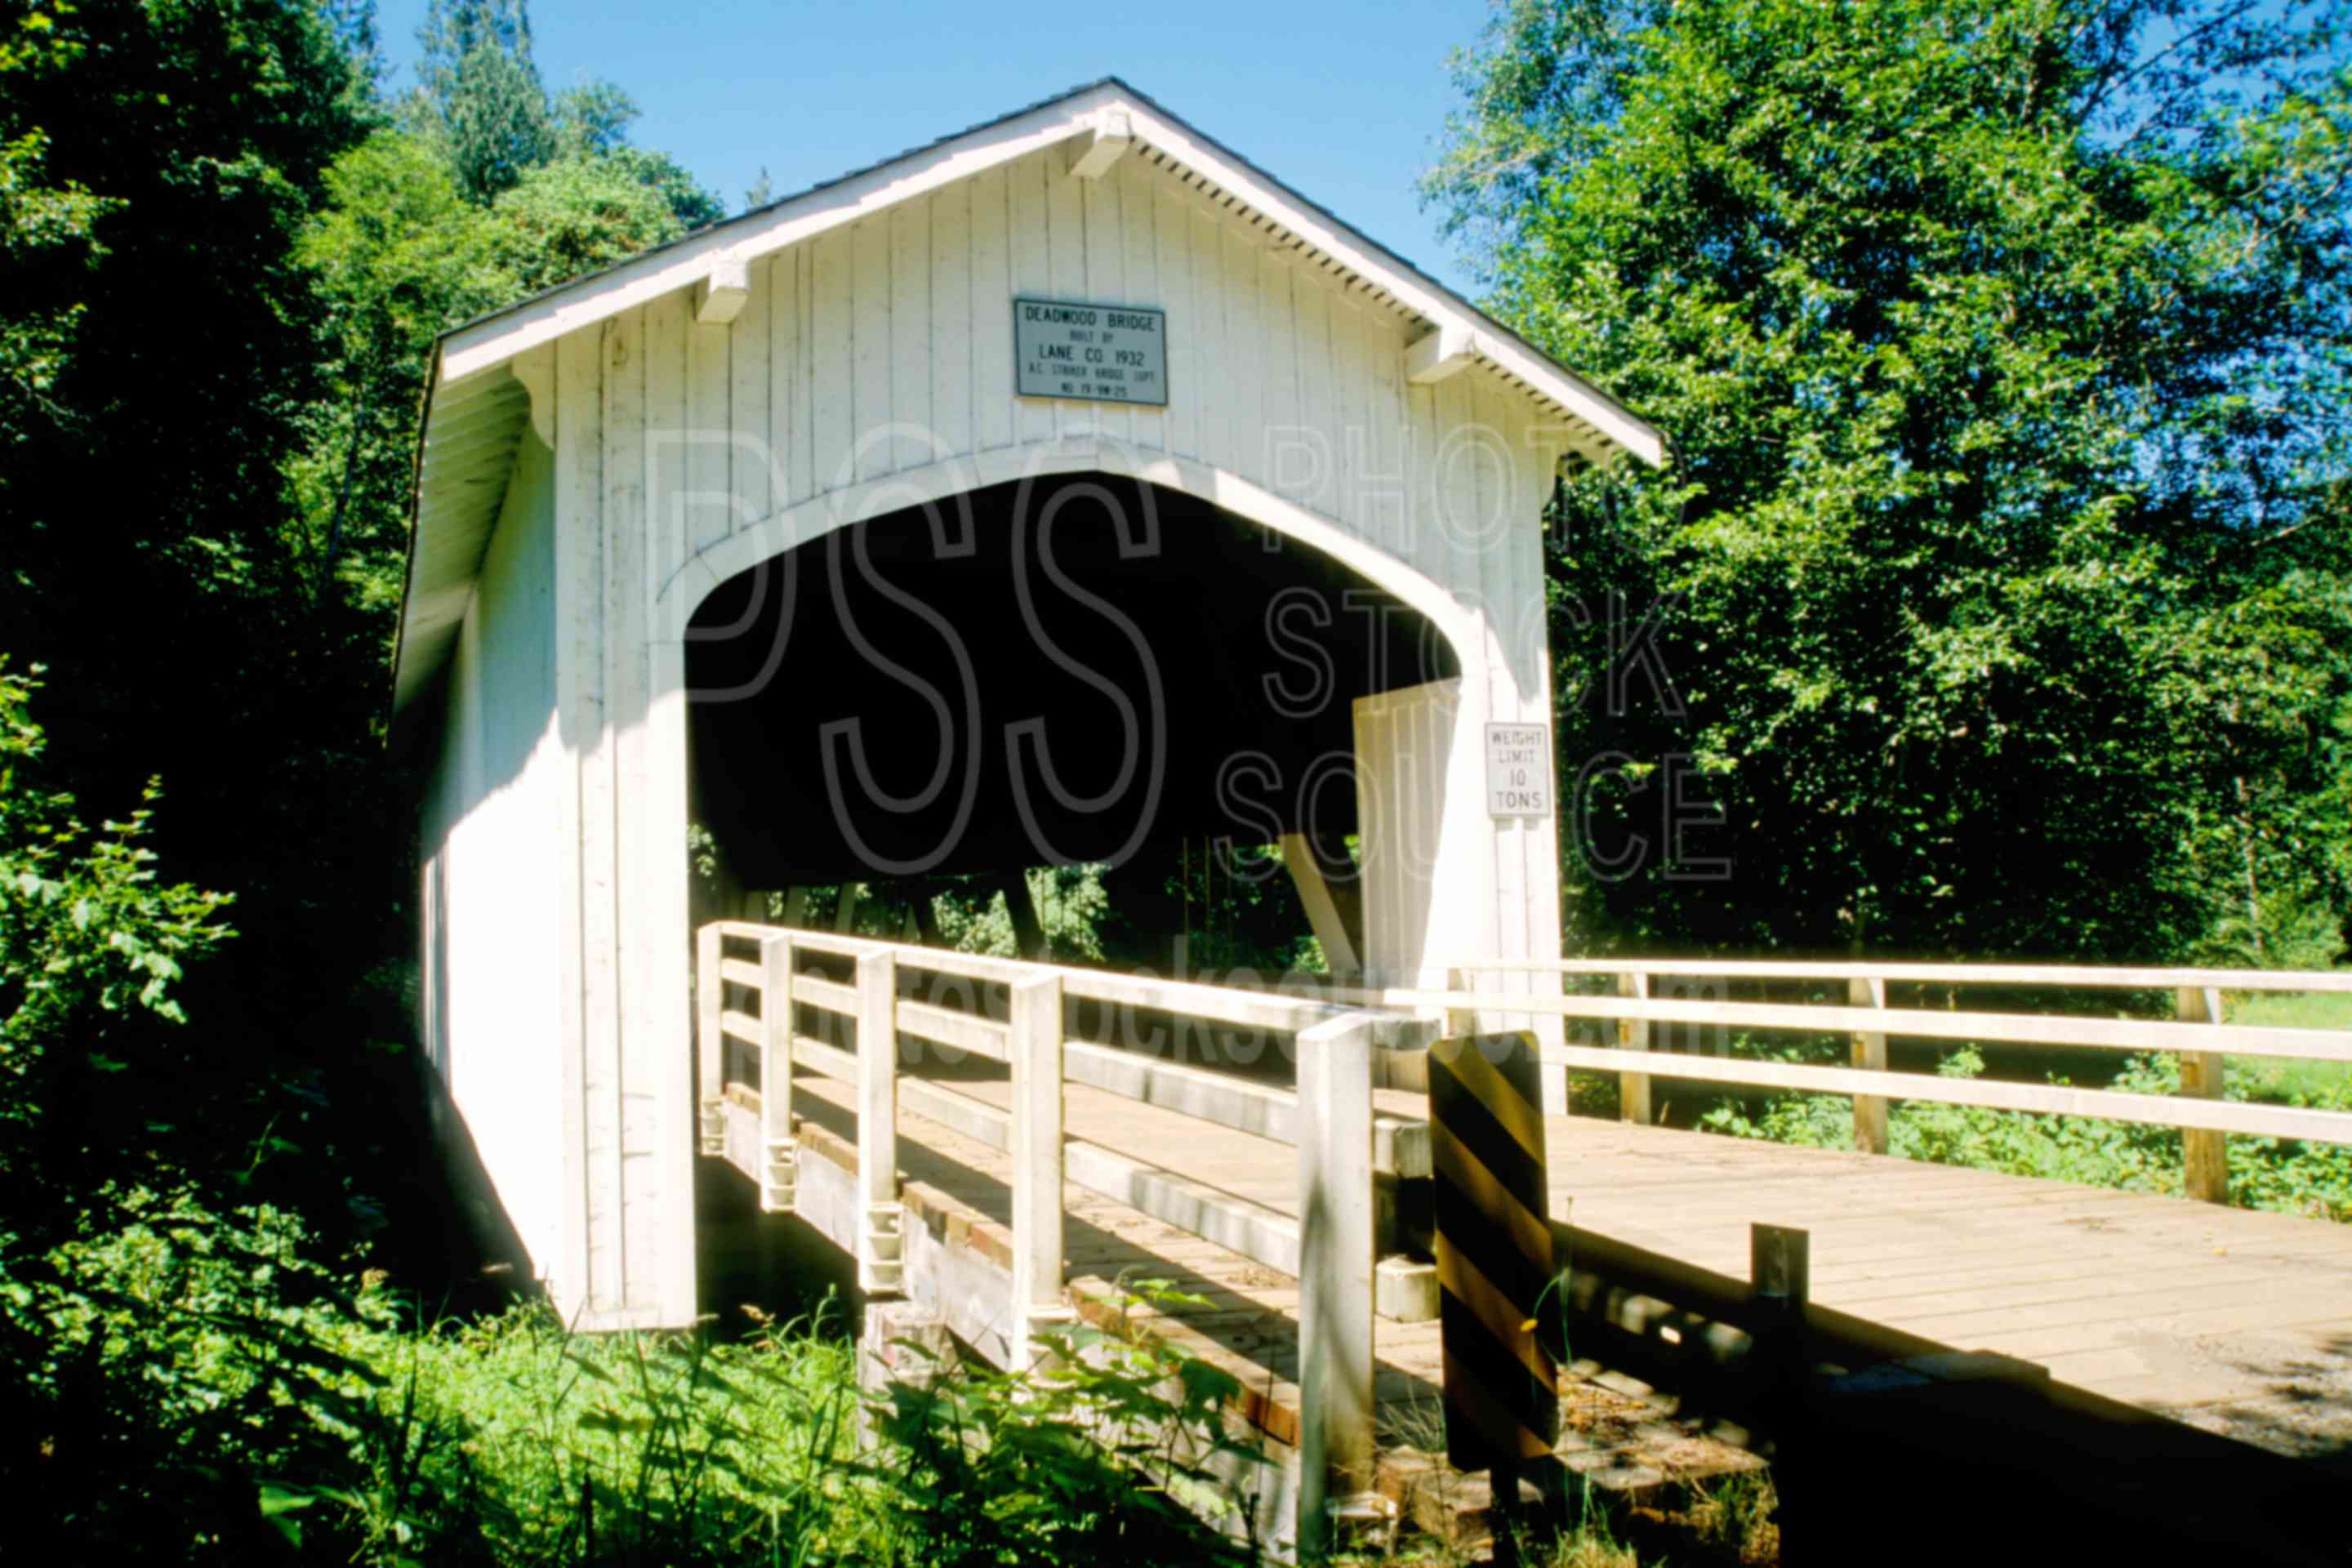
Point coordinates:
[(147, 558), (480, 102), (1997, 589), (226, 259)]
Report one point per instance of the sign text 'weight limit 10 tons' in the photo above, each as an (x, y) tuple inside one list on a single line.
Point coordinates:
[(1518, 770), (1106, 353)]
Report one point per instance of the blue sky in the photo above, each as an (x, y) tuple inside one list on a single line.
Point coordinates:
[(1346, 103)]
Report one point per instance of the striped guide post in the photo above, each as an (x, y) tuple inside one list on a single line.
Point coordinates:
[(1493, 1256)]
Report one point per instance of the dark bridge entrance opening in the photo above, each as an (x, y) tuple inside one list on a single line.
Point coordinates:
[(1069, 669)]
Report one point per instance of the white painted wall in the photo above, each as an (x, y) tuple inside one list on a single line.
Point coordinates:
[(1438, 871), (872, 367), (490, 853)]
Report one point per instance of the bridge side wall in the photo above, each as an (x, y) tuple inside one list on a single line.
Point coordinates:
[(682, 451), (490, 848)]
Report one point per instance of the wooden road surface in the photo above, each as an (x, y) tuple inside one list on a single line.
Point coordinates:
[(2240, 1320)]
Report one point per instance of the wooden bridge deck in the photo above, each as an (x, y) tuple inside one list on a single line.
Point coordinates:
[(2153, 1300), (2148, 1300)]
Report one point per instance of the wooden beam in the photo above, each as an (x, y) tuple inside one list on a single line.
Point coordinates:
[(1406, 1289), (1258, 1233), (1324, 913), (1460, 1019), (831, 996), (1104, 143), (2013, 1028), (1869, 1055), (2049, 1100), (1231, 1006), (2098, 977), (881, 1241), (954, 1029), (2205, 1152), (780, 1156), (1633, 1035), (709, 1004), (1445, 351), (1281, 1008), (719, 297), (1779, 1267), (1336, 1299), (1035, 1039), (1399, 1145), (1780, 1284), (1028, 922)]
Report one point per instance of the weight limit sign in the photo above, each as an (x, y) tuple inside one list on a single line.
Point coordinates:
[(1494, 1250)]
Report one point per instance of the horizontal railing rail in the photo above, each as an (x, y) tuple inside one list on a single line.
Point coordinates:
[(2197, 1035), (2066, 976)]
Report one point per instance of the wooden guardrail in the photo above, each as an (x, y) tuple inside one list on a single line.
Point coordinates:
[(745, 972), (2196, 1035)]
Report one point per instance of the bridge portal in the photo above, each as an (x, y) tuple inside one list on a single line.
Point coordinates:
[(1045, 672)]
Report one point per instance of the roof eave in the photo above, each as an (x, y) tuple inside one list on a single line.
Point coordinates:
[(482, 346)]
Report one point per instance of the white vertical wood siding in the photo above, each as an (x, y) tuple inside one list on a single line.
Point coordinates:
[(491, 851), (866, 358)]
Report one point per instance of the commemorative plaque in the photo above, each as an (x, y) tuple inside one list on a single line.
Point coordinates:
[(1102, 353)]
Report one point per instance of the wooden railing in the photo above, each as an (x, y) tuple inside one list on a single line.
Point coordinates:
[(1329, 1247), (2196, 1033)]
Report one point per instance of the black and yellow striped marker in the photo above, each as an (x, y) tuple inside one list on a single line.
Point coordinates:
[(1494, 1250)]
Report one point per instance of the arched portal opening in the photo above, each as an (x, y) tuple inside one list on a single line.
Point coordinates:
[(1076, 668)]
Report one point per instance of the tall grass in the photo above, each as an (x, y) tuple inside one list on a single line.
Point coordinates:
[(187, 1387)]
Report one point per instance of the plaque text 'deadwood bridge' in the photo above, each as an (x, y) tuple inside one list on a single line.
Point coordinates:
[(1107, 353)]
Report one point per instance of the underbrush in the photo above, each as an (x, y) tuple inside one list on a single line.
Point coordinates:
[(1728, 1521), (190, 1388)]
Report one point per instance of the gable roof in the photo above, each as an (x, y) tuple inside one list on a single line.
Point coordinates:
[(475, 414)]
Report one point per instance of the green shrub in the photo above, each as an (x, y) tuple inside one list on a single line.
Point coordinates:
[(90, 943), (1098, 1454)]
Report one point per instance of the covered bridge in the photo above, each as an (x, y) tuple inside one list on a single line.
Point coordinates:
[(1064, 483)]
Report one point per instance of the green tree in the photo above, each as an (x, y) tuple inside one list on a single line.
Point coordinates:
[(1996, 593), (145, 557), (480, 103), (478, 97), (395, 255), (41, 225), (573, 218)]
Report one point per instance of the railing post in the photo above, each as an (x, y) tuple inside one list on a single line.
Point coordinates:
[(881, 1269), (1780, 1282), (1460, 1021), (780, 1155), (1335, 1275), (1869, 1054), (1633, 1035), (710, 998), (1035, 1038), (2205, 1152)]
